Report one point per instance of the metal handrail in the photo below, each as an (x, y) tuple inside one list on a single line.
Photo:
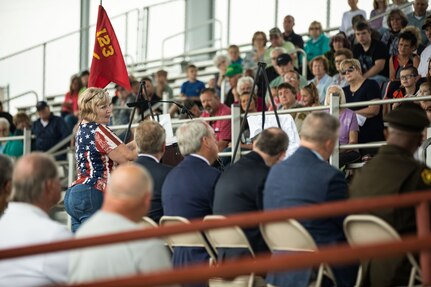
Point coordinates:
[(185, 54), (418, 199), (64, 36), (32, 92)]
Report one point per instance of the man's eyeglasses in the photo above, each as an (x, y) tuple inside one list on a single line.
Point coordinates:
[(348, 70), (407, 77), (314, 28)]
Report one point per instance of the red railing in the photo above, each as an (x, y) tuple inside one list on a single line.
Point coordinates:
[(334, 255)]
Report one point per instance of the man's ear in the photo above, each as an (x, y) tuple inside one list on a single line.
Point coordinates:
[(8, 189)]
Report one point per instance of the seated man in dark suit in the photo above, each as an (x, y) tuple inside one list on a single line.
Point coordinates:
[(48, 129), (150, 138), (188, 190), (240, 187), (307, 178)]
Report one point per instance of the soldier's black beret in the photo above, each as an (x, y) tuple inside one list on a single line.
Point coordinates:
[(407, 117)]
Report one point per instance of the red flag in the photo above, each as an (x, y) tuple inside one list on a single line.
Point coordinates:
[(108, 62)]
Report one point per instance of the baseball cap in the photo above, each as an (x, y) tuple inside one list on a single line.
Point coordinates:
[(275, 31), (41, 105), (283, 59), (233, 69)]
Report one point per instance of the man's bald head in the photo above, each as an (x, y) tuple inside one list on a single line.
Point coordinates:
[(30, 175), (129, 192), (130, 181)]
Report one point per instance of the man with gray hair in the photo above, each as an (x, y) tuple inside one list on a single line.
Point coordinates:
[(126, 201), (307, 178), (36, 188), (6, 168), (188, 190), (150, 138)]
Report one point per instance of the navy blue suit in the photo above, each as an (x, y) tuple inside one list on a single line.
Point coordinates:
[(188, 191), (158, 172), (304, 179)]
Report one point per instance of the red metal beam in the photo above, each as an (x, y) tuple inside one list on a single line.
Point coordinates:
[(243, 220), (263, 264)]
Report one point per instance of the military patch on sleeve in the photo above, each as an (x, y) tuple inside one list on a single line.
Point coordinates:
[(426, 176)]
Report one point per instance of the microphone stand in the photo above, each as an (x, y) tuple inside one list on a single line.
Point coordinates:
[(138, 100), (148, 101), (260, 72), (183, 109)]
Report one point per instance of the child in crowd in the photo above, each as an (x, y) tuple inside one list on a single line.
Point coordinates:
[(409, 77), (425, 90), (309, 95), (235, 57), (192, 88), (162, 85)]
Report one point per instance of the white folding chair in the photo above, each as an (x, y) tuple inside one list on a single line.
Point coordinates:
[(363, 229), (231, 237), (290, 235), (189, 239), (148, 222)]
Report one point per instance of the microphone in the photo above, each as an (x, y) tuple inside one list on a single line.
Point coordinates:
[(182, 108)]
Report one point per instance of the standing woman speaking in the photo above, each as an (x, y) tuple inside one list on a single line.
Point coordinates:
[(97, 149)]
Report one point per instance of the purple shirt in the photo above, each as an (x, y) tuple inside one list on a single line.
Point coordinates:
[(348, 122)]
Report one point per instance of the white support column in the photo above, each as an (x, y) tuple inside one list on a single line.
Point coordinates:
[(236, 128), (84, 35), (27, 141), (335, 111)]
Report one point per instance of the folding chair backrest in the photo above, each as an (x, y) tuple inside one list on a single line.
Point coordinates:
[(228, 237), (363, 229), (287, 235), (189, 239), (148, 222), (290, 235)]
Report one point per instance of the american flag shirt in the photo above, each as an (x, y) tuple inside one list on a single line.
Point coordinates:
[(93, 143)]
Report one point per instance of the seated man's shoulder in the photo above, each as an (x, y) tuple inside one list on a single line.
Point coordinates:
[(425, 177)]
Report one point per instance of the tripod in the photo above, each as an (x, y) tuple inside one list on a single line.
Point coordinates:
[(260, 75)]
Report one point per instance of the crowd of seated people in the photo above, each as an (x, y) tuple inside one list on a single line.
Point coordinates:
[(364, 61)]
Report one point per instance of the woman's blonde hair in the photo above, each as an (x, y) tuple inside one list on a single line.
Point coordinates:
[(89, 100), (351, 62)]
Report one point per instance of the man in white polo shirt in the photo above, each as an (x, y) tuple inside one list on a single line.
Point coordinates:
[(36, 188)]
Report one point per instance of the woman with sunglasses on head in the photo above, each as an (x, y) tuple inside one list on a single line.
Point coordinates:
[(97, 149), (360, 90)]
